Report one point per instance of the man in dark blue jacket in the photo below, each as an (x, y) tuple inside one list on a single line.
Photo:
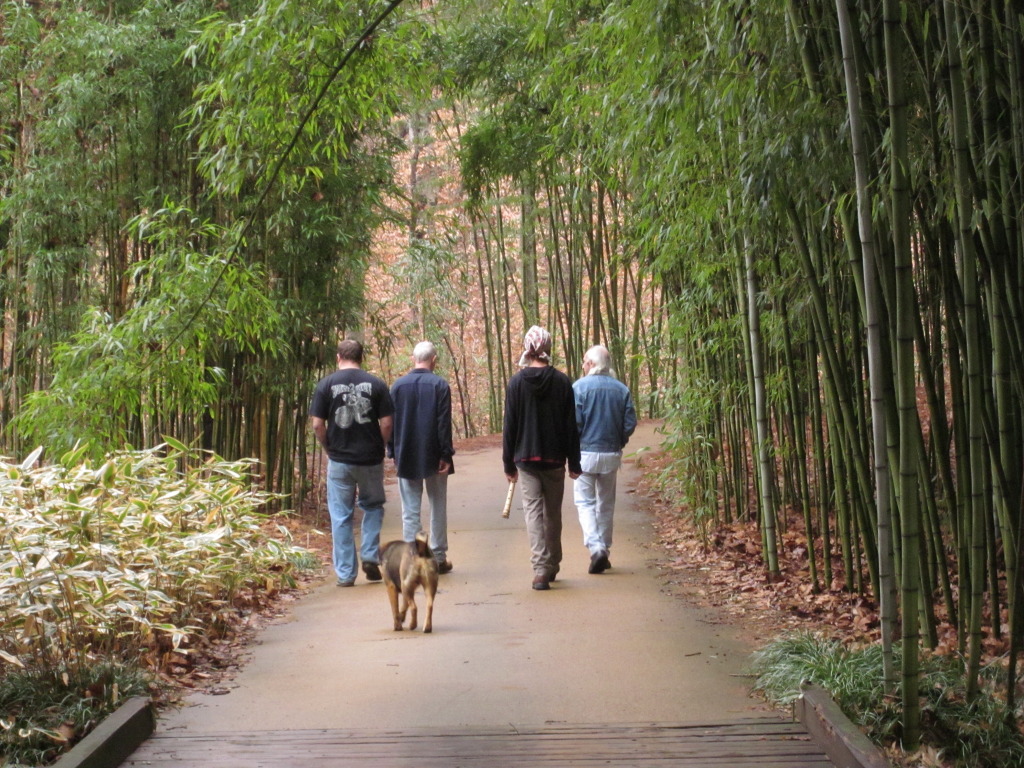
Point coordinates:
[(422, 448)]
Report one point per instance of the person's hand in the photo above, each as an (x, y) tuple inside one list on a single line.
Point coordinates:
[(513, 477), (574, 475), (443, 467)]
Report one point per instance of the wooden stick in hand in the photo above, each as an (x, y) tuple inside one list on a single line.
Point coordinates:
[(508, 499)]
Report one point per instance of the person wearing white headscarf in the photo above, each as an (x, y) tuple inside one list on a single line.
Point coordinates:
[(539, 438), (536, 346)]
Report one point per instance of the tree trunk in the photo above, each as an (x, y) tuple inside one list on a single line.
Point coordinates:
[(876, 368)]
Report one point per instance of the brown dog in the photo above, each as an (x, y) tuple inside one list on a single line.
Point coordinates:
[(407, 565)]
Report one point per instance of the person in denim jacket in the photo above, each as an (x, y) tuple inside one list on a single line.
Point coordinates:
[(606, 418)]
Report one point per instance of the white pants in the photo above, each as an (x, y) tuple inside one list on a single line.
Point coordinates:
[(594, 495)]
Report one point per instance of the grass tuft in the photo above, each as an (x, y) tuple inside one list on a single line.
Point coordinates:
[(46, 711), (974, 734), (304, 561)]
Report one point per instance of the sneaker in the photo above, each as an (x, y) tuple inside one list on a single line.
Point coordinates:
[(346, 582), (444, 567), (372, 571), (541, 583), (599, 562)]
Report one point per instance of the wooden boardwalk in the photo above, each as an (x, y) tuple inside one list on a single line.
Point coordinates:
[(749, 743)]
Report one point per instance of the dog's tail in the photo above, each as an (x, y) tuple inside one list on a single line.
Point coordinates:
[(422, 547)]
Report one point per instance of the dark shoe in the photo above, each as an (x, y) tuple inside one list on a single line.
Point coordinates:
[(599, 562), (541, 582), (372, 571), (346, 582), (444, 567)]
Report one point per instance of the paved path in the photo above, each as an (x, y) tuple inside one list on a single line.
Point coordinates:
[(609, 648)]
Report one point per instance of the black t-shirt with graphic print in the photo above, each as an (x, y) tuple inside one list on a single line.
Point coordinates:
[(352, 402)]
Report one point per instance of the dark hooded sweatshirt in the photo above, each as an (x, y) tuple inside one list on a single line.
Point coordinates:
[(540, 429)]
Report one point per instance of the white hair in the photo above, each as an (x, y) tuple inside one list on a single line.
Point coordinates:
[(424, 352), (601, 360)]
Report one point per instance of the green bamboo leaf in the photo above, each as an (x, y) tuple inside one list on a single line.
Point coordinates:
[(75, 455), (176, 444), (107, 473)]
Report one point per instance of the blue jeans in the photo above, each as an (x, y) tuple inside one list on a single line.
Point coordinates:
[(412, 498), (348, 485)]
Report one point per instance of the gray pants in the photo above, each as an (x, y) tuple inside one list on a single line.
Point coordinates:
[(412, 498), (542, 504)]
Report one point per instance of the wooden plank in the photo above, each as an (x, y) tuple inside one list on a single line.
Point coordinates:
[(752, 729), (300, 760), (114, 739), (841, 740), (314, 737), (750, 744), (608, 735), (454, 747)]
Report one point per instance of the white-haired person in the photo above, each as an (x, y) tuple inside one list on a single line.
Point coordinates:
[(606, 418), (539, 438), (421, 445)]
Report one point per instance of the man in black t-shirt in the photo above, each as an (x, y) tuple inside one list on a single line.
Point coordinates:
[(351, 416)]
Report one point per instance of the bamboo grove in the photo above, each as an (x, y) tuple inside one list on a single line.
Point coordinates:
[(143, 294), (797, 225), (197, 206), (829, 194)]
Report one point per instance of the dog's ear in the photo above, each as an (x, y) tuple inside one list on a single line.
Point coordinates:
[(422, 548)]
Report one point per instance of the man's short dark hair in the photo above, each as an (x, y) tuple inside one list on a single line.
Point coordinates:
[(351, 350)]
